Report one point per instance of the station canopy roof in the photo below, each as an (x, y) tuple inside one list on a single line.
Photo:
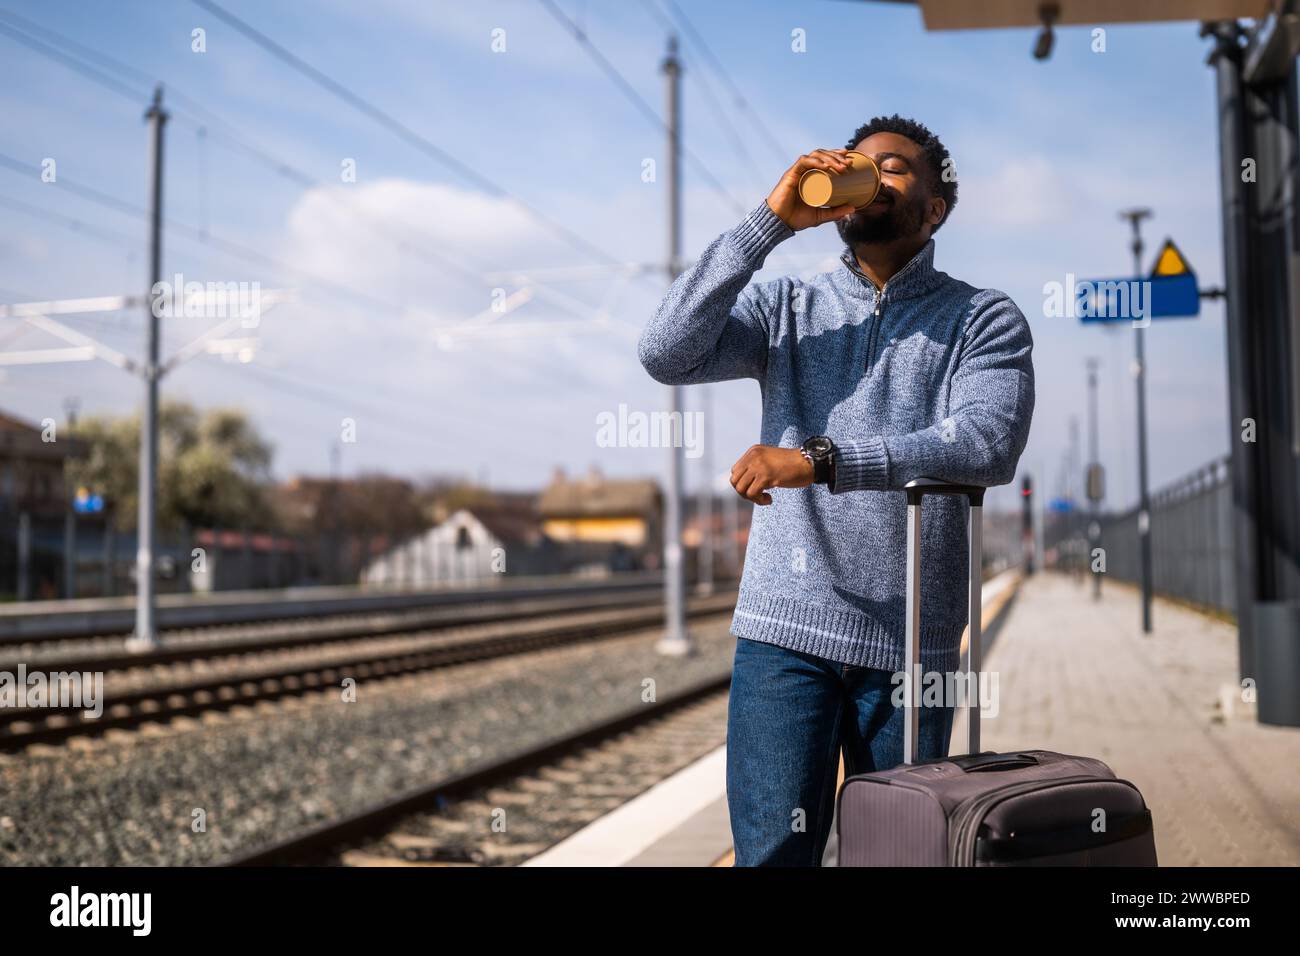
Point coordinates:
[(1001, 14)]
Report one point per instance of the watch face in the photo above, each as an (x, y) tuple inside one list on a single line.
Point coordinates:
[(818, 446)]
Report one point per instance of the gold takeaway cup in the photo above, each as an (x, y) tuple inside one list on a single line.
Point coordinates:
[(858, 187)]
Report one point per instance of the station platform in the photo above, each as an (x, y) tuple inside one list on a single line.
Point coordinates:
[(1077, 676)]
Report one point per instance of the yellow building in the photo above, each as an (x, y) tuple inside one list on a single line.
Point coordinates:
[(593, 509)]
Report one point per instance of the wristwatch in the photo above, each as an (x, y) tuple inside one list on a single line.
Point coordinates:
[(820, 450)]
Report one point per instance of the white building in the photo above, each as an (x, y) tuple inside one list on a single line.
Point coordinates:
[(467, 547)]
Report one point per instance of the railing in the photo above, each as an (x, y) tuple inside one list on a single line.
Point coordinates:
[(42, 558), (1191, 540)]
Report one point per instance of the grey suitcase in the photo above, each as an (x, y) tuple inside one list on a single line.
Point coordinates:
[(1025, 808)]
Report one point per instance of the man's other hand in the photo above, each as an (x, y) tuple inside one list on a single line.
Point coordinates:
[(764, 467)]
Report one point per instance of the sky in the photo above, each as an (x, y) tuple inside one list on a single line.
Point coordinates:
[(515, 162)]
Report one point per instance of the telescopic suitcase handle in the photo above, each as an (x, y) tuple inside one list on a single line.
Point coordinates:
[(916, 490)]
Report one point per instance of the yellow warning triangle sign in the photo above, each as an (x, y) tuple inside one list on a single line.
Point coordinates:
[(1171, 261)]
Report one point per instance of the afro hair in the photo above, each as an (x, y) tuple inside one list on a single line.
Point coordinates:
[(942, 174)]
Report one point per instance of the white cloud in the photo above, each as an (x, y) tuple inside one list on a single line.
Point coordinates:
[(1027, 192)]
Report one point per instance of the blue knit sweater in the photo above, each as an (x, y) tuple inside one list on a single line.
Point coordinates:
[(927, 377)]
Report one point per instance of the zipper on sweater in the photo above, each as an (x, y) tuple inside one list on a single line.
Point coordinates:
[(875, 329)]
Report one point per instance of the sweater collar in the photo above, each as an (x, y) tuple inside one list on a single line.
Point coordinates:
[(917, 277)]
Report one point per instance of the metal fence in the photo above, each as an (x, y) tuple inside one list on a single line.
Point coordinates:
[(1191, 539), (46, 558)]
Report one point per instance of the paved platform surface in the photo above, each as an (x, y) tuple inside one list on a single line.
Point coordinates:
[(1077, 676)]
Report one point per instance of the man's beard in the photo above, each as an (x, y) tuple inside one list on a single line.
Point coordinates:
[(901, 219)]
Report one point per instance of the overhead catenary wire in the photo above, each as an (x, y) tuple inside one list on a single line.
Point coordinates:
[(72, 63), (224, 133), (117, 239), (403, 131), (697, 40), (39, 38), (738, 144), (645, 109), (127, 208), (218, 132), (68, 222), (205, 237), (402, 403), (398, 413), (376, 224), (201, 234)]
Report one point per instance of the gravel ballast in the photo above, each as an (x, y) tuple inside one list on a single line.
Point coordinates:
[(256, 775)]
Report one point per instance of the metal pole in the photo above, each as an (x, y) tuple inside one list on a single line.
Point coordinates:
[(1270, 115), (70, 553), (109, 557), (335, 566), (1038, 519), (675, 640), (1226, 60), (217, 562), (70, 406), (1028, 544), (731, 530), (24, 556), (146, 637), (911, 638), (1072, 517), (706, 497), (1274, 317), (974, 650), (1094, 458), (1135, 217)]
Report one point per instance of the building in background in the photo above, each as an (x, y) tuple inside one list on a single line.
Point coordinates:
[(487, 540), (35, 507), (243, 560), (619, 521), (728, 519), (32, 469)]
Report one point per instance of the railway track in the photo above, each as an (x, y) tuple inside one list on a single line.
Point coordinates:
[(190, 645), (98, 619), (192, 694), (450, 821), (107, 644)]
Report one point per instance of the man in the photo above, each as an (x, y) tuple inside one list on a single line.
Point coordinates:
[(871, 375)]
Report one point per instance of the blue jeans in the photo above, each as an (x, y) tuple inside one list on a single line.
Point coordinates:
[(788, 717)]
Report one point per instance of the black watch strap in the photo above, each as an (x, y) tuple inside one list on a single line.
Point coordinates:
[(822, 470), (823, 459)]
